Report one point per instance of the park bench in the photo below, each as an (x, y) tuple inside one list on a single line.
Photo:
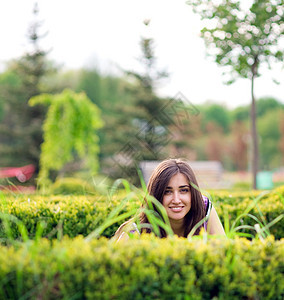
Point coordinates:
[(209, 174)]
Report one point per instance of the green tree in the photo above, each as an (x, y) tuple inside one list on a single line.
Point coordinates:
[(243, 38), (281, 142), (263, 105), (240, 113), (21, 125), (90, 83), (215, 142), (111, 94), (219, 115), (185, 137), (70, 132), (149, 137), (270, 135), (147, 105), (238, 145), (56, 82), (267, 104)]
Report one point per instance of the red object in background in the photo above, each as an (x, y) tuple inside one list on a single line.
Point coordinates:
[(18, 189), (22, 173)]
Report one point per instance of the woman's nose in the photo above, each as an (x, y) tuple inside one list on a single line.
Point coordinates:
[(176, 198)]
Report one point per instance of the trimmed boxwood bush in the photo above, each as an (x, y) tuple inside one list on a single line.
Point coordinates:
[(144, 268), (68, 215), (72, 186), (75, 215), (269, 206)]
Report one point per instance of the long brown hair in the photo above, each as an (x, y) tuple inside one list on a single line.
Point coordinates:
[(159, 181), (156, 187)]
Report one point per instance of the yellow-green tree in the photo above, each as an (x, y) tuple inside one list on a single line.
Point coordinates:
[(70, 131)]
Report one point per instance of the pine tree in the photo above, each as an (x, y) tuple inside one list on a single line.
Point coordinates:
[(148, 137), (21, 126)]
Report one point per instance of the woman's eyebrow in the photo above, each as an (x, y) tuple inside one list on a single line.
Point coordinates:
[(180, 187)]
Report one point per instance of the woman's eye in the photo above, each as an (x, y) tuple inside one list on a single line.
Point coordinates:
[(167, 192), (184, 190)]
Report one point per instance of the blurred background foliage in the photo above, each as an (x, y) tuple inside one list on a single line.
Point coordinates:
[(216, 133), (130, 107)]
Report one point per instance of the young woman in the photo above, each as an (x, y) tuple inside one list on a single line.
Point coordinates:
[(174, 185)]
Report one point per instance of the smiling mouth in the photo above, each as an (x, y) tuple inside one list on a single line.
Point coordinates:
[(176, 208)]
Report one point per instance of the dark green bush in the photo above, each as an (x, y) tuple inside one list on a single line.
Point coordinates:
[(71, 186)]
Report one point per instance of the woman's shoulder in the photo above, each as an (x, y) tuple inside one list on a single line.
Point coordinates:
[(127, 227), (207, 204), (205, 199), (133, 228), (123, 231)]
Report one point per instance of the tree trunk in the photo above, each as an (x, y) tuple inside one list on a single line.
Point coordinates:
[(281, 143), (254, 133)]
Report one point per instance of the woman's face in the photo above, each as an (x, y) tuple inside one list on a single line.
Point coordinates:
[(177, 197)]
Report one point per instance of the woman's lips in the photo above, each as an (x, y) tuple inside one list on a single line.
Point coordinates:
[(176, 208)]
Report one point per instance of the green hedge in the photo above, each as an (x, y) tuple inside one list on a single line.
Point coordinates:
[(66, 215), (145, 268), (267, 208), (72, 186), (233, 197), (73, 215)]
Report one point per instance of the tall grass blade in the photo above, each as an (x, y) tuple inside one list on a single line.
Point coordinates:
[(202, 221), (273, 222), (39, 230), (248, 209), (21, 227), (97, 232), (142, 181)]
